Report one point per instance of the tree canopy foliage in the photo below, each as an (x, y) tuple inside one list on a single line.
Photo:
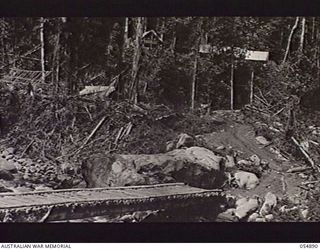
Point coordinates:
[(91, 51)]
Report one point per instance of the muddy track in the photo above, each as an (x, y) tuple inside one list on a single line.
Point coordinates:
[(242, 139)]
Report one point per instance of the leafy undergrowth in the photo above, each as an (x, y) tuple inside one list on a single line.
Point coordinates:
[(55, 128), (314, 205), (292, 215)]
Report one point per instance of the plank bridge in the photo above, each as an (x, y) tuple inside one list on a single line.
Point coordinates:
[(60, 205)]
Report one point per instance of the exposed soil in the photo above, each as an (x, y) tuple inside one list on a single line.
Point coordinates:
[(241, 138)]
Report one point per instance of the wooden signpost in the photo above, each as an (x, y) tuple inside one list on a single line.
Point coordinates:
[(252, 55)]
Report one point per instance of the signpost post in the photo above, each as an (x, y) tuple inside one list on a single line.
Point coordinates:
[(255, 56)]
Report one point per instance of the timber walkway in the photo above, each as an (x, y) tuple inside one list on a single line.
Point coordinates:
[(58, 205)]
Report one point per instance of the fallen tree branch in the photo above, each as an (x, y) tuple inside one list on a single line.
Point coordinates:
[(27, 147), (298, 169), (306, 155), (87, 139), (262, 101), (119, 135), (128, 129), (93, 132), (278, 112), (284, 184), (47, 214), (309, 182)]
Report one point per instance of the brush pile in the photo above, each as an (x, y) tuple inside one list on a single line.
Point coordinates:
[(60, 128)]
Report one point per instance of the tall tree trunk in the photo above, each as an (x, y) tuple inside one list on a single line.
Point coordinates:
[(3, 45), (195, 62), (126, 34), (232, 84), (56, 55), (43, 69), (317, 54), (174, 39), (313, 28), (251, 87), (294, 27), (194, 80), (136, 60), (303, 28)]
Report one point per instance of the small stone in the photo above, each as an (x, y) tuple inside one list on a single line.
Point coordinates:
[(230, 162), (244, 162), (170, 146), (269, 217), (283, 208), (305, 213), (51, 167), (270, 201), (26, 175), (9, 157), (32, 169), (231, 201), (278, 124), (11, 150), (253, 217), (264, 164), (255, 159), (185, 140), (227, 216), (4, 153), (246, 208), (261, 219), (303, 175), (17, 165), (28, 162), (143, 215), (42, 188), (246, 180), (52, 177), (21, 160), (29, 185), (241, 201), (127, 218), (262, 140), (221, 147)]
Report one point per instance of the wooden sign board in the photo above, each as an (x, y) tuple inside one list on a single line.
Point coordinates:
[(257, 55)]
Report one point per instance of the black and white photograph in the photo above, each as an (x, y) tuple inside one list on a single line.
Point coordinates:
[(159, 119)]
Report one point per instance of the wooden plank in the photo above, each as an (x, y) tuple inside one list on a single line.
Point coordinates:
[(78, 203)]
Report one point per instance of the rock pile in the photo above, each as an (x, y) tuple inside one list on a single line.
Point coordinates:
[(23, 174), (248, 209)]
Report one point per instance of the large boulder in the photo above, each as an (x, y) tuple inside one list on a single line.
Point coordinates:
[(7, 166), (195, 166)]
